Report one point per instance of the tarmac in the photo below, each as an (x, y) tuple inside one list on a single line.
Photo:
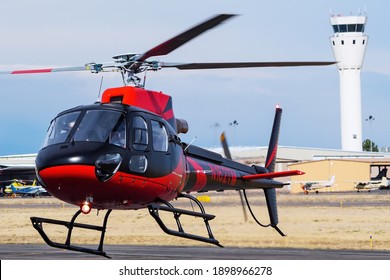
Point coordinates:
[(131, 252)]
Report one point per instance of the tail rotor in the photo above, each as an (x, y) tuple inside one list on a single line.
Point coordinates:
[(270, 193), (229, 156)]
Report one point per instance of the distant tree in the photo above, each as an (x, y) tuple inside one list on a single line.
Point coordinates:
[(368, 145)]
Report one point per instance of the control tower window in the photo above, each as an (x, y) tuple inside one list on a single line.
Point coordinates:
[(348, 28), (342, 28), (351, 27)]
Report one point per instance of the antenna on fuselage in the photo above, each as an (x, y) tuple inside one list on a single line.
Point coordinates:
[(185, 149), (100, 89), (144, 82)]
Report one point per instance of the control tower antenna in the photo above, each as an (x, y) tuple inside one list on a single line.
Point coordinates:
[(349, 44)]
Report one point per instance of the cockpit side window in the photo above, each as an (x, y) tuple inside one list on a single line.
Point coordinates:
[(160, 136), (140, 134), (60, 128)]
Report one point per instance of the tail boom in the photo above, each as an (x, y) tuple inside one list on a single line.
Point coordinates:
[(204, 175)]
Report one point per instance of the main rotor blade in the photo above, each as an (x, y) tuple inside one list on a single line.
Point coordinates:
[(45, 70), (92, 67), (184, 37), (221, 65)]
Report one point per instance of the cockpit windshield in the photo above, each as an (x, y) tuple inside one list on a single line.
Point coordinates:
[(105, 126), (60, 128), (102, 126)]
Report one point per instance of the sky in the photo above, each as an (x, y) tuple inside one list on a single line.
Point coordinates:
[(44, 33)]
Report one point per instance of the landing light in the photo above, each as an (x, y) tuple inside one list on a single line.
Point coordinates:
[(86, 208)]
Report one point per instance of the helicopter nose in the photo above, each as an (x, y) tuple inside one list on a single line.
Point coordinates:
[(76, 183), (72, 183), (101, 162)]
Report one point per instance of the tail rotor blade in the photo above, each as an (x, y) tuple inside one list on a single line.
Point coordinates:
[(228, 155), (225, 146)]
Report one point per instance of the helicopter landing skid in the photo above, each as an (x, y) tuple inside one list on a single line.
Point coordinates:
[(167, 207), (38, 225)]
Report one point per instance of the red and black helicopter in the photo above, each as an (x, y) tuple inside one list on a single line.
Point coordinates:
[(124, 152)]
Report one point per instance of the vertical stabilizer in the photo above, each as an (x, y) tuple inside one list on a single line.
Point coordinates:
[(273, 142)]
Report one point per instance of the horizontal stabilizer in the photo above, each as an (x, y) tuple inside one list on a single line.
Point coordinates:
[(273, 175)]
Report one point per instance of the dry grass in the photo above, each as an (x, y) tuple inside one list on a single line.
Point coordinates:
[(324, 221)]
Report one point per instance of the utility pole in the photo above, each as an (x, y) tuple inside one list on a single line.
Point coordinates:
[(370, 119)]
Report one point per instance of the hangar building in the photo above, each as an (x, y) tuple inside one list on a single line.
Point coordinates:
[(348, 167)]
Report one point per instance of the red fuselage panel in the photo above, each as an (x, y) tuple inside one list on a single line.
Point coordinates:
[(74, 183)]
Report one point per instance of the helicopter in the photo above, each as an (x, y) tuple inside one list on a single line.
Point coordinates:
[(124, 152)]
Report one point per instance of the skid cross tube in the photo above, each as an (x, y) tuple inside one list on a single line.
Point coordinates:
[(38, 225), (154, 212)]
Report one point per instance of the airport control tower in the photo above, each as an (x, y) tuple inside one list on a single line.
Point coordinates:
[(349, 45)]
